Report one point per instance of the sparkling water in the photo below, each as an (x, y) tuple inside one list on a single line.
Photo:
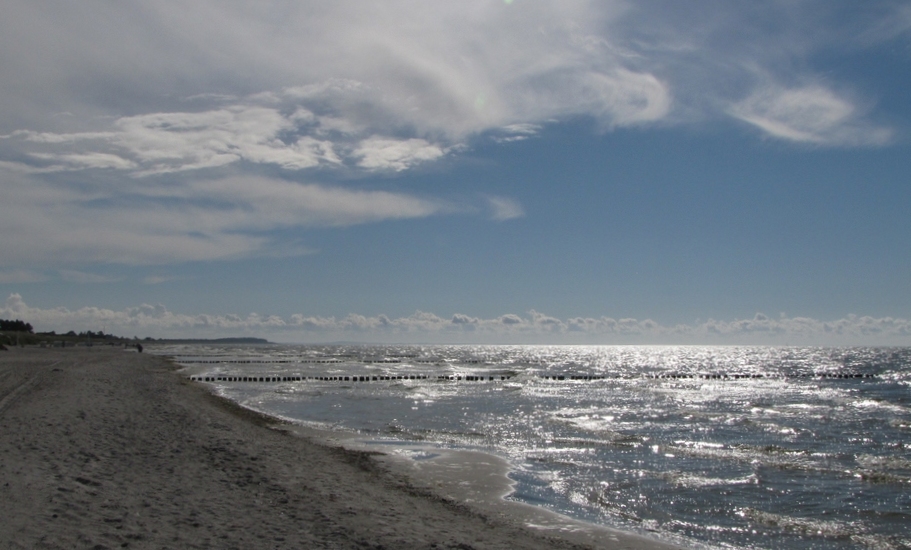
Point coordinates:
[(719, 447)]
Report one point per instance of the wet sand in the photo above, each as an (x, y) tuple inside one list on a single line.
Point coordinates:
[(104, 448)]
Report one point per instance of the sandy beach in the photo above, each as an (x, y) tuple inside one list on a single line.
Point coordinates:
[(106, 448)]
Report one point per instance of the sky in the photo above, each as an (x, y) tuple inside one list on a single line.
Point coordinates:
[(482, 171)]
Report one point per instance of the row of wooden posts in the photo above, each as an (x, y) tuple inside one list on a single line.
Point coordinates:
[(203, 378), (474, 378)]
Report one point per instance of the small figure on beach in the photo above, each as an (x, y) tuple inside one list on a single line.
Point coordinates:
[(139, 348)]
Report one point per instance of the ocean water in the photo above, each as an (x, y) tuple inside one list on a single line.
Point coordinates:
[(709, 447)]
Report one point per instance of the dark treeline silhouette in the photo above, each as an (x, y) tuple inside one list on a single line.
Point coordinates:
[(83, 334), (26, 335), (15, 326)]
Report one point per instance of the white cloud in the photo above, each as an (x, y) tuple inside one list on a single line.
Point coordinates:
[(524, 129), (266, 203), (504, 208), (165, 143), (16, 276), (401, 69), (389, 86), (79, 161), (23, 168), (198, 220), (511, 319), (464, 320), (516, 132), (182, 141), (176, 96), (174, 142), (159, 279), (810, 114), (73, 276), (896, 23), (534, 327), (48, 137), (378, 153), (392, 85)]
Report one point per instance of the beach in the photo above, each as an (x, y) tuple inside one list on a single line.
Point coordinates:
[(108, 448)]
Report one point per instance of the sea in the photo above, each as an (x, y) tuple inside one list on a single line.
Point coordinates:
[(706, 447)]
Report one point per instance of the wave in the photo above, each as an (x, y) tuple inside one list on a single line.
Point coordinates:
[(883, 462), (854, 531), (689, 480), (803, 526)]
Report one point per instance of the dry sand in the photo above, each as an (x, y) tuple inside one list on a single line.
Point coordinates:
[(102, 448)]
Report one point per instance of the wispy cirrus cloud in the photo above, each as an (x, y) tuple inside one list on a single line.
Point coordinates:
[(516, 132), (298, 90), (83, 277), (405, 70), (159, 321), (18, 276), (159, 279), (809, 114), (504, 208), (377, 91), (198, 220), (893, 24)]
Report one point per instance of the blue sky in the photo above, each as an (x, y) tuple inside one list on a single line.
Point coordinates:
[(481, 171)]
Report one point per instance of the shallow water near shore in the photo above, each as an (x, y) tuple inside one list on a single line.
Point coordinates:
[(717, 447)]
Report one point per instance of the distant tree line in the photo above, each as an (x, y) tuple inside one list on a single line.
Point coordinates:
[(21, 333), (26, 336), (84, 334), (15, 326)]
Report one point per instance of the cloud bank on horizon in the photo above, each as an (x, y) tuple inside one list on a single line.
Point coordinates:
[(211, 105), (423, 327)]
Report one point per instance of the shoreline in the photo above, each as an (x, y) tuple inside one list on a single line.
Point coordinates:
[(476, 478), (104, 448)]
